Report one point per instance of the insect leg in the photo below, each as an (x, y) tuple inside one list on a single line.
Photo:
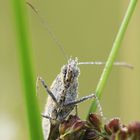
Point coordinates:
[(80, 100), (86, 98), (46, 116), (47, 89), (76, 110)]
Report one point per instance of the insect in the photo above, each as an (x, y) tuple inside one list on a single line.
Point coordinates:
[(63, 92), (63, 97)]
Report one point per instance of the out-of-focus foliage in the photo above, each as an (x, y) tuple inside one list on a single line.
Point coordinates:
[(26, 69)]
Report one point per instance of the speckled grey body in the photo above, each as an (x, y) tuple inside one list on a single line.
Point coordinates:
[(64, 88)]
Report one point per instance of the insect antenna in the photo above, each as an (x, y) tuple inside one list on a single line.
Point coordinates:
[(121, 64), (46, 26)]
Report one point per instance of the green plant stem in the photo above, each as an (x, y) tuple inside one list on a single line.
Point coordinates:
[(23, 47), (113, 53)]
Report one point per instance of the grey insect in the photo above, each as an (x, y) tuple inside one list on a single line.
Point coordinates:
[(63, 92), (62, 97)]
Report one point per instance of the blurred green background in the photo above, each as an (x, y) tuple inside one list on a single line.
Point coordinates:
[(87, 30)]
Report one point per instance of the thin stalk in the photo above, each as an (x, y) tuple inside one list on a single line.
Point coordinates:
[(113, 54), (24, 53)]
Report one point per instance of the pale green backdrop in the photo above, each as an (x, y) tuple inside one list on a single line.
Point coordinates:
[(87, 30)]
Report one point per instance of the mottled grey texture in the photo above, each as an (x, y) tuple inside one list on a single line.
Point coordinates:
[(65, 89)]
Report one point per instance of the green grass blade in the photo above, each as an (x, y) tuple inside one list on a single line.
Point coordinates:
[(113, 53), (23, 47)]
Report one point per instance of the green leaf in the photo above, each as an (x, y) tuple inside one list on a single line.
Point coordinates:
[(27, 75), (113, 54)]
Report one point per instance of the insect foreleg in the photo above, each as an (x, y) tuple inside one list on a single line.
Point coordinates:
[(47, 89)]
